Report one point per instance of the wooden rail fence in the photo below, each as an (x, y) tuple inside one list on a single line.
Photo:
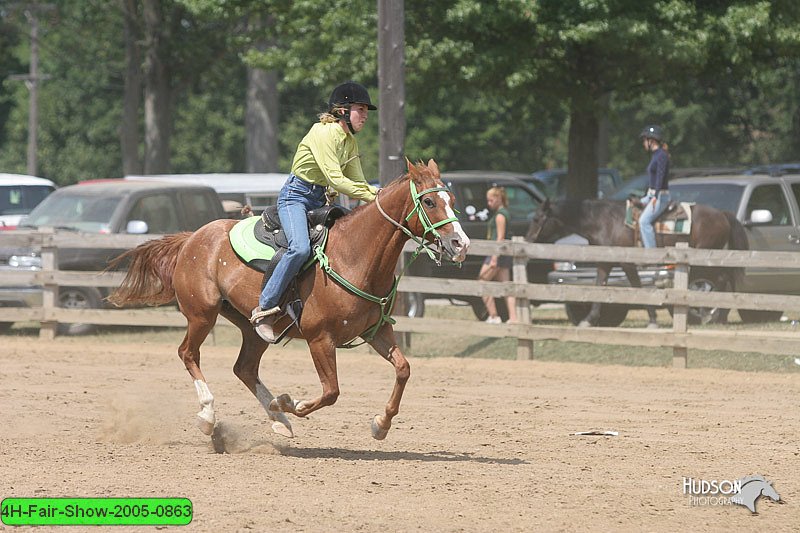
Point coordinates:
[(679, 337)]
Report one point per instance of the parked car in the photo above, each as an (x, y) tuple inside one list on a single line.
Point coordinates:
[(469, 189), (259, 191), (19, 194), (769, 208), (109, 206), (553, 182)]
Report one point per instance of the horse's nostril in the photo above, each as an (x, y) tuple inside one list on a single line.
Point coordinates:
[(456, 244)]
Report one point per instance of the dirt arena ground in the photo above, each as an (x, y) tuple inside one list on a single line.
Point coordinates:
[(479, 445)]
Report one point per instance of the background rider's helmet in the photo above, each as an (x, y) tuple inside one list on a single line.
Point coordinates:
[(652, 132), (349, 93)]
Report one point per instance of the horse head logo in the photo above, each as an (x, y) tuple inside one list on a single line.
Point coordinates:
[(754, 487)]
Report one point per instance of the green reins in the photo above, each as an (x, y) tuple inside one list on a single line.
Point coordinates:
[(387, 302)]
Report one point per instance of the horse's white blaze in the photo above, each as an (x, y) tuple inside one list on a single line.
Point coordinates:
[(456, 225), (206, 401)]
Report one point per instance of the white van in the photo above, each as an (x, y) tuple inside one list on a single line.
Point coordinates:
[(256, 190), (19, 194)]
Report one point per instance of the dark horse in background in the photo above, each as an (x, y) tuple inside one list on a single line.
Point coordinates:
[(202, 272), (602, 223)]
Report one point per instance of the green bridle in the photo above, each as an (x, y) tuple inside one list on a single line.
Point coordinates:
[(387, 302), (427, 225)]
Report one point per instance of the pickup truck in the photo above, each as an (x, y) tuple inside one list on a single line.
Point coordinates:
[(103, 206), (768, 205)]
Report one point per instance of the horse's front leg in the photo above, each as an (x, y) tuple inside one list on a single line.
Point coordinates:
[(635, 281), (323, 353), (593, 317), (386, 345)]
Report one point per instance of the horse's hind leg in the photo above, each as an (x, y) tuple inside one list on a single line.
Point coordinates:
[(246, 368), (200, 324), (386, 345)]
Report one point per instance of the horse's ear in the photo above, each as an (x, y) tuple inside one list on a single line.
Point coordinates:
[(412, 170), (434, 168)]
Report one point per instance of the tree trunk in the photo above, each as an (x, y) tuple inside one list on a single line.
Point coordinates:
[(132, 95), (604, 132), (157, 97), (392, 93), (261, 121), (582, 153)]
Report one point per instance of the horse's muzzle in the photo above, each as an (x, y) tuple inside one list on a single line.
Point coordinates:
[(456, 245)]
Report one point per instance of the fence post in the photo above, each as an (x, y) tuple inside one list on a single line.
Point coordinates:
[(680, 282), (49, 254), (520, 275)]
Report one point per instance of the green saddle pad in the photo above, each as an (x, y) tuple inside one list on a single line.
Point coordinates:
[(244, 242)]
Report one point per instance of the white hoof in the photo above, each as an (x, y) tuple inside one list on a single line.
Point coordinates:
[(281, 429), (378, 433), (652, 325), (585, 324), (206, 426)]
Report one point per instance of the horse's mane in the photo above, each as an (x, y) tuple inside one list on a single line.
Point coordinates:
[(402, 179)]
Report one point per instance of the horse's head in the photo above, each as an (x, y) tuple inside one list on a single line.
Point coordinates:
[(546, 226), (431, 216)]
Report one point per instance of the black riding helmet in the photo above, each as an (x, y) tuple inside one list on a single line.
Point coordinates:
[(652, 132), (347, 94)]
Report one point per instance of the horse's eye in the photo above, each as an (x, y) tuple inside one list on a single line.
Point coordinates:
[(428, 202)]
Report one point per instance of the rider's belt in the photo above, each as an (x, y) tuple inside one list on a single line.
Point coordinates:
[(312, 186), (652, 192)]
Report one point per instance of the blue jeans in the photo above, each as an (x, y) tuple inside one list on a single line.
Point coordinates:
[(297, 197), (649, 214)]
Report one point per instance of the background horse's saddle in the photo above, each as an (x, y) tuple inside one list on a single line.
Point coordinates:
[(676, 218), (260, 241)]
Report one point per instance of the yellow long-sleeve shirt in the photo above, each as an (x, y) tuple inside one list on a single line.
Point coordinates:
[(328, 156)]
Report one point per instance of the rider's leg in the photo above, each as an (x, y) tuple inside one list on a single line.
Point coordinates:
[(295, 200), (649, 214)]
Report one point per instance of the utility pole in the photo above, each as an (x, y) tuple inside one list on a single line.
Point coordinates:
[(391, 112), (32, 80)]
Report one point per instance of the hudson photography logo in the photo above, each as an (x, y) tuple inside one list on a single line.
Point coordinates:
[(744, 491)]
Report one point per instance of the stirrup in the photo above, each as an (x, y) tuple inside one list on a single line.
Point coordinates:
[(259, 314)]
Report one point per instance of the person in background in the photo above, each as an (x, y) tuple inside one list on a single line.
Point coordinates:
[(498, 268), (326, 157), (657, 198)]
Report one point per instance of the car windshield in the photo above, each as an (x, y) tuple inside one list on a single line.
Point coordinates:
[(725, 196), (91, 213)]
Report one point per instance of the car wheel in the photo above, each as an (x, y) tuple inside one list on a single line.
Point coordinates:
[(611, 315), (78, 298), (750, 316), (706, 281), (415, 305)]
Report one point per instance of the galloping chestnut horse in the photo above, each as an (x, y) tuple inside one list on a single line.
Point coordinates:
[(207, 278), (602, 223)]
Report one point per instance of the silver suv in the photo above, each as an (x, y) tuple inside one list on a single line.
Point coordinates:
[(768, 205)]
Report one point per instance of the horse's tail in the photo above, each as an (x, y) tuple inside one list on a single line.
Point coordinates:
[(737, 240), (149, 278)]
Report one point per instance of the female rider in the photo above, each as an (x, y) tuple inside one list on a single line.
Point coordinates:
[(326, 157), (657, 198)]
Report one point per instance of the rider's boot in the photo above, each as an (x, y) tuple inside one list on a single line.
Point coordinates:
[(263, 320)]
